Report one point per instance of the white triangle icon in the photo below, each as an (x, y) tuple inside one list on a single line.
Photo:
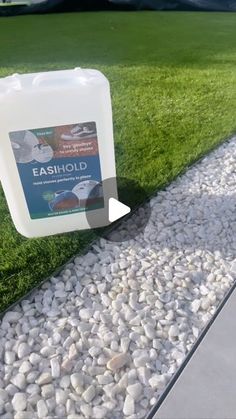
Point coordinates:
[(116, 210)]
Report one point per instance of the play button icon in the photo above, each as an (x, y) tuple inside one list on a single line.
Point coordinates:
[(117, 210), (117, 227)]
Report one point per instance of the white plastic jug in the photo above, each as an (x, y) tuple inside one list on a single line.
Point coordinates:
[(56, 148)]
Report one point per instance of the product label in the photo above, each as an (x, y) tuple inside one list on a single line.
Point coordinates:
[(59, 168)]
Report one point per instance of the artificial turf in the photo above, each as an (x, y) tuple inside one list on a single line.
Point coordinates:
[(173, 84)]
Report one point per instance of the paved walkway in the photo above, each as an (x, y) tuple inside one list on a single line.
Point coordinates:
[(206, 389)]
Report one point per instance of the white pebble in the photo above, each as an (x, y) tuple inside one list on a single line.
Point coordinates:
[(195, 305), (61, 396), (21, 415), (19, 381), (47, 391), (11, 389), (205, 303), (104, 379), (149, 331), (123, 264), (124, 343), (76, 380), (56, 337), (86, 313), (99, 412), (34, 358), (32, 376), (173, 331), (23, 350), (25, 367), (3, 396), (70, 406), (42, 409), (44, 378), (47, 351), (12, 317), (118, 361), (73, 353), (86, 410), (67, 365), (55, 368), (65, 381), (33, 389), (195, 331), (135, 390), (128, 408), (94, 351), (89, 394), (157, 381), (144, 375), (141, 359), (51, 404), (19, 402), (9, 357)]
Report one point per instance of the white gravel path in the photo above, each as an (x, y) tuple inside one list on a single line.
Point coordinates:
[(103, 339)]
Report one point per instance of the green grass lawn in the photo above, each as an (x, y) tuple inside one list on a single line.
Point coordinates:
[(173, 84), (23, 3)]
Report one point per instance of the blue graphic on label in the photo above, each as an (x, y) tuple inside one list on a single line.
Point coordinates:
[(59, 168)]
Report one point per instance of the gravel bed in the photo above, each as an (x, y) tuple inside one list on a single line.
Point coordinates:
[(103, 339)]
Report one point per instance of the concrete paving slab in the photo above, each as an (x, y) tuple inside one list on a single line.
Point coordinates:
[(206, 388)]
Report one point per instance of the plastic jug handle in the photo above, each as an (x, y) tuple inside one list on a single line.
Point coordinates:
[(59, 76)]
